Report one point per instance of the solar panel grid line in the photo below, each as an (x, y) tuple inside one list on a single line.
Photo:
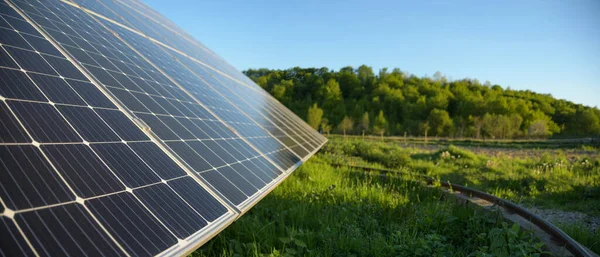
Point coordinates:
[(108, 93), (264, 116), (42, 92), (140, 21), (150, 196), (238, 100), (49, 206), (11, 213), (276, 183), (279, 107), (115, 100), (50, 103), (305, 131), (52, 74), (80, 200), (283, 109), (277, 118), (175, 30), (66, 183), (175, 82), (259, 192), (30, 247), (208, 109), (243, 204), (292, 117), (153, 40), (308, 130), (65, 202), (240, 110)]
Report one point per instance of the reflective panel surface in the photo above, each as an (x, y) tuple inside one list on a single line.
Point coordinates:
[(120, 134)]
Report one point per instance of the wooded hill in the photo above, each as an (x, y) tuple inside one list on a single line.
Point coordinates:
[(394, 102)]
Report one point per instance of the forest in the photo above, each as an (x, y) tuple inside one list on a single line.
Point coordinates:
[(394, 102)]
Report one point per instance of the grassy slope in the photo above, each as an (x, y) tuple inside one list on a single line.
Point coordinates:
[(322, 211)]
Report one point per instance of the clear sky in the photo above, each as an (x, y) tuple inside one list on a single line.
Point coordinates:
[(546, 46)]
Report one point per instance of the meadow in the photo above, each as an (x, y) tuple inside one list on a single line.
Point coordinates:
[(327, 210)]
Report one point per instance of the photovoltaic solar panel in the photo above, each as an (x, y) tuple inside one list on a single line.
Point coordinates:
[(122, 135)]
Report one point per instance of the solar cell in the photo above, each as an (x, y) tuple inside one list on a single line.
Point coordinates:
[(122, 135)]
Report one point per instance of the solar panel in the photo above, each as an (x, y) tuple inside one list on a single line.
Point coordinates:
[(120, 134)]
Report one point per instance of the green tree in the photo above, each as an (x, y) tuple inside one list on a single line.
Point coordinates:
[(538, 128), (490, 126), (315, 114), (478, 124), (380, 125), (331, 91), (346, 125), (278, 91), (460, 124), (333, 101), (589, 122), (410, 101), (544, 126), (424, 127), (515, 121), (364, 123), (325, 126), (440, 122)]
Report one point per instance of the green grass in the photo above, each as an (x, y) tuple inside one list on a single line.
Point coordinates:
[(548, 179), (323, 211), (586, 144), (551, 180)]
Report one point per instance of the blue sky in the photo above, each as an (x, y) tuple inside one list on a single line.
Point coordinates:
[(545, 46)]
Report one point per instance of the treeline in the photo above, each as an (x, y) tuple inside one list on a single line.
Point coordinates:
[(356, 100)]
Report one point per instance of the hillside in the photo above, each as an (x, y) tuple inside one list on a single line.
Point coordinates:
[(357, 100)]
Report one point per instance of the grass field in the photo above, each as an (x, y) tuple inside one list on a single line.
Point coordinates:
[(565, 178), (326, 211)]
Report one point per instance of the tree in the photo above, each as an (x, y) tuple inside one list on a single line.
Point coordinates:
[(489, 125), (438, 76), (589, 122), (333, 101), (478, 125), (282, 90), (331, 91), (325, 126), (424, 127), (278, 91), (460, 124), (364, 123), (380, 124), (538, 128), (409, 102), (515, 121), (440, 122), (346, 124), (315, 114), (544, 125)]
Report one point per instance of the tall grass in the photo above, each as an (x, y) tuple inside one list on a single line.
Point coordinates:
[(323, 211), (550, 180)]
